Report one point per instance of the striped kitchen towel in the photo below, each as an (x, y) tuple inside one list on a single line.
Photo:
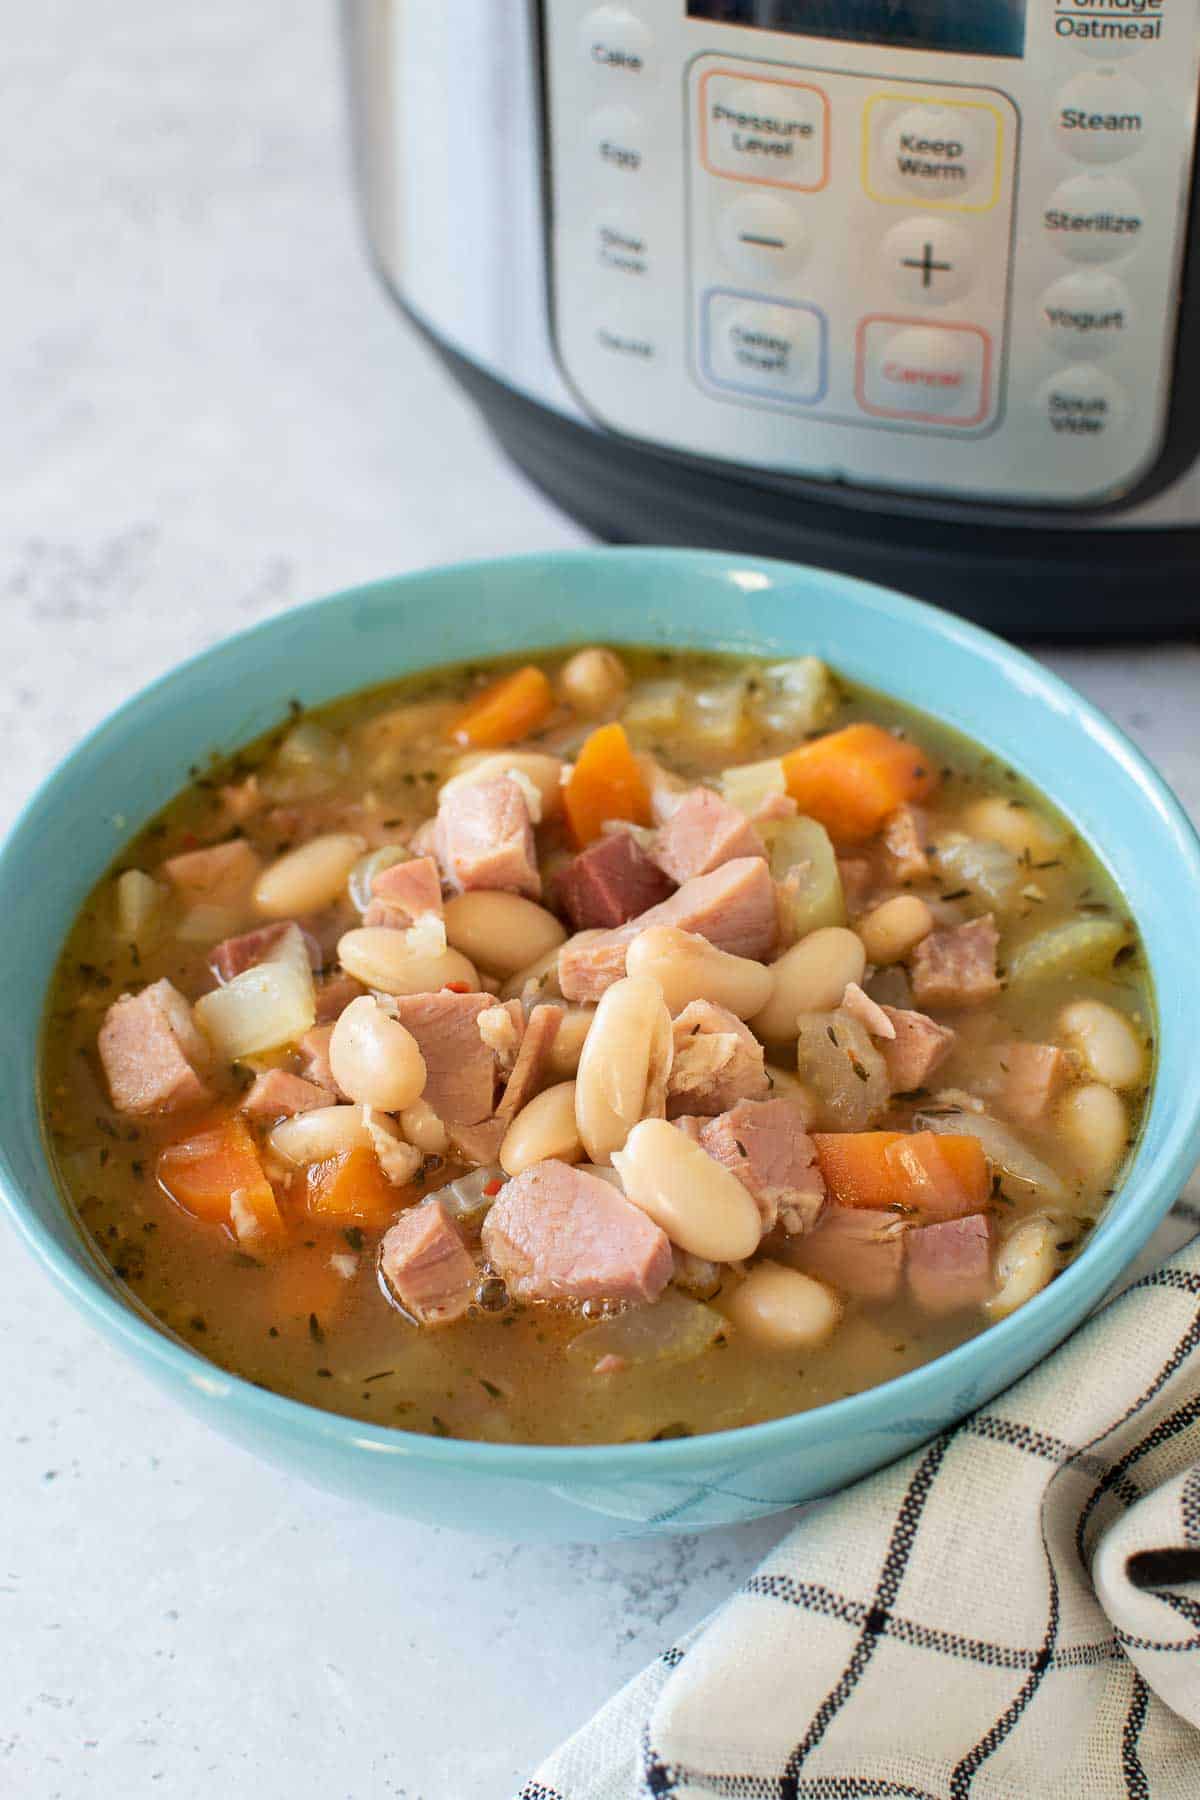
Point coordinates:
[(1011, 1613)]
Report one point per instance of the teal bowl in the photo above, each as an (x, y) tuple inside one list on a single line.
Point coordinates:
[(127, 769)]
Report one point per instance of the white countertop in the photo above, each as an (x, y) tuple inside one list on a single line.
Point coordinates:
[(209, 412)]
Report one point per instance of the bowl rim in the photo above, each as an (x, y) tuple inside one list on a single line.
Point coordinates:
[(919, 1391)]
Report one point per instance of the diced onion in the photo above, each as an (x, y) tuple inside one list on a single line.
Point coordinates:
[(673, 1329), (803, 862), (1012, 1159), (1080, 946), (843, 1070), (796, 696), (368, 867), (717, 714), (748, 785), (468, 1198), (653, 706), (139, 902), (207, 924), (986, 868)]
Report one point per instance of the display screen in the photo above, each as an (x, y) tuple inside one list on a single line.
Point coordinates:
[(975, 27)]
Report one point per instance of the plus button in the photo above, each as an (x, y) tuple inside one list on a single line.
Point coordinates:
[(927, 265)]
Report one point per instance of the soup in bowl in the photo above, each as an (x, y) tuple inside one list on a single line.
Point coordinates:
[(613, 1069)]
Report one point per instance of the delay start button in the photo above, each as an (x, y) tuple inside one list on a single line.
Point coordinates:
[(937, 375), (772, 348), (1086, 313)]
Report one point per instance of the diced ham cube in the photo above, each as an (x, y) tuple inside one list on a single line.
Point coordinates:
[(334, 995), (314, 1048), (855, 1249), (613, 880), (733, 907), (1030, 1078), (919, 1046), (717, 1061), (485, 838), (957, 967), (558, 1233), (950, 1265), (218, 873), (235, 955), (703, 832), (405, 892), (904, 845), (481, 1143), (765, 1145), (427, 1266), (460, 1068), (277, 1095), (152, 1051), (858, 883)]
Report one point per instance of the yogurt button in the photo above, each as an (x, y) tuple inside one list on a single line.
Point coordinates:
[(1101, 117), (762, 236), (1094, 218), (1086, 314), (1081, 402), (614, 41)]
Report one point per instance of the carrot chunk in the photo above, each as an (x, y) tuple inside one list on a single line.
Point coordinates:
[(350, 1189), (505, 711), (215, 1174), (852, 779), (606, 783), (937, 1177)]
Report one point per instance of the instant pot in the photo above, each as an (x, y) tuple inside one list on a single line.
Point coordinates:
[(902, 287)]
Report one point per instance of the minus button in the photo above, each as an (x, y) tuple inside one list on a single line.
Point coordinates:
[(760, 236)]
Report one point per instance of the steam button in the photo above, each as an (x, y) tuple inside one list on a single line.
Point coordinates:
[(1101, 117)]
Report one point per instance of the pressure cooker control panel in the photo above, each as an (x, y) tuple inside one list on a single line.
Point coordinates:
[(941, 257)]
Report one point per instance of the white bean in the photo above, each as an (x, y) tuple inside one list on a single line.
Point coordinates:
[(423, 1129), (810, 977), (783, 1309), (311, 876), (1026, 1261), (562, 1060), (382, 958), (544, 1128), (375, 1059), (501, 932), (624, 1066), (890, 931), (701, 1206), (327, 1131), (537, 766), (1095, 1125), (594, 681), (1110, 1047), (687, 967)]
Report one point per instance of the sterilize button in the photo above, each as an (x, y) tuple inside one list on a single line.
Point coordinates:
[(1094, 218), (614, 41), (761, 235), (1081, 402), (1101, 117), (1086, 314), (929, 374), (771, 348), (618, 140), (927, 261)]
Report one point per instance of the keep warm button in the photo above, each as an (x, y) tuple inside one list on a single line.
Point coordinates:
[(935, 375)]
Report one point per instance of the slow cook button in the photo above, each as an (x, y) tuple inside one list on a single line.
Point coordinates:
[(1081, 402), (771, 132), (1085, 314), (1101, 117), (1094, 218), (776, 349), (761, 235), (622, 247), (932, 374), (614, 41), (618, 140)]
